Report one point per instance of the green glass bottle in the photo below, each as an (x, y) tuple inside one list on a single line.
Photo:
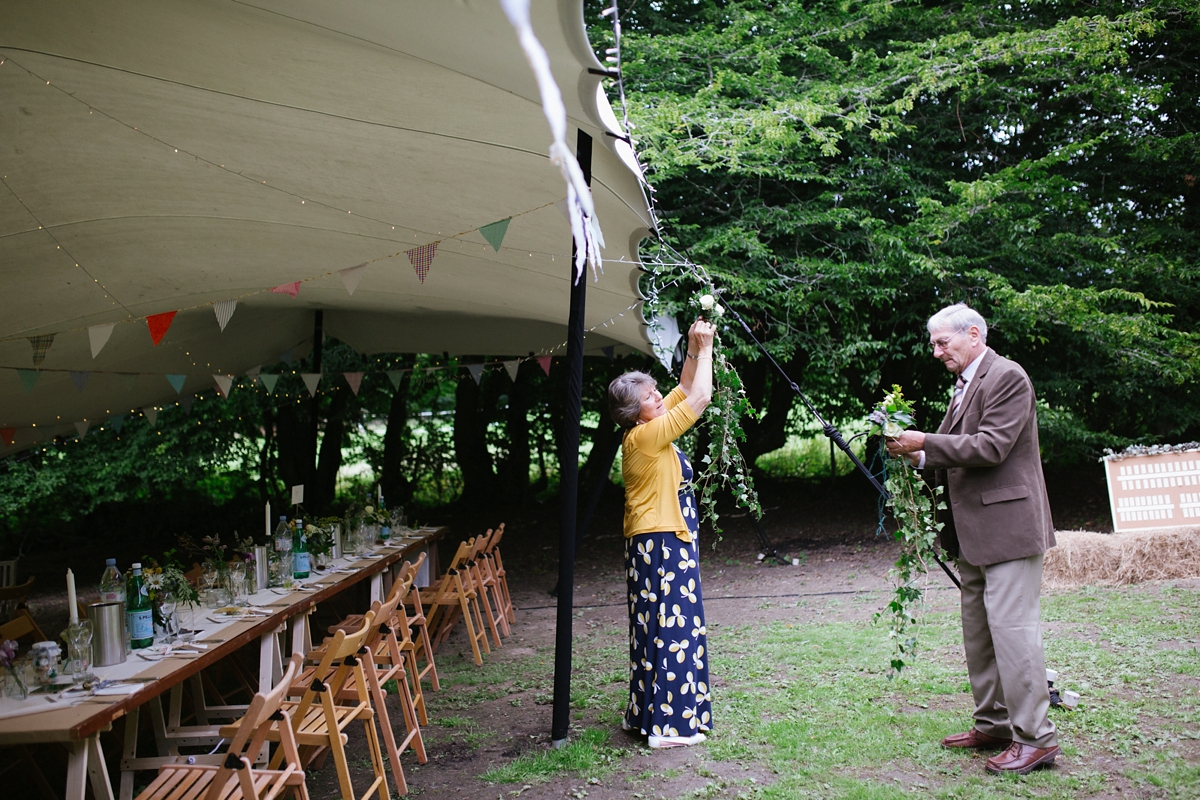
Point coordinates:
[(139, 614), (300, 559)]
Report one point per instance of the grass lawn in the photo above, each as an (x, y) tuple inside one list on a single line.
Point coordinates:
[(805, 708)]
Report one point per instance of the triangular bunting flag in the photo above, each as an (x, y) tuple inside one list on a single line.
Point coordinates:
[(8, 435), (224, 310), (176, 382), (287, 357), (494, 233), (291, 289), (98, 336), (476, 371), (80, 380), (269, 381), (117, 421), (253, 373), (351, 276), (82, 427), (354, 379), (609, 351), (29, 378), (422, 258), (512, 367), (186, 402), (158, 324), (224, 383), (151, 415), (128, 379), (41, 345), (545, 363), (394, 376), (311, 379)]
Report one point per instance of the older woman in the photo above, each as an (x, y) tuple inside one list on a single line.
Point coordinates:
[(668, 657)]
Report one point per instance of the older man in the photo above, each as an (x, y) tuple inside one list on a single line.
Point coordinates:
[(985, 454)]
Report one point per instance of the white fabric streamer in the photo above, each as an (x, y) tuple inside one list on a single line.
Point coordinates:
[(585, 227)]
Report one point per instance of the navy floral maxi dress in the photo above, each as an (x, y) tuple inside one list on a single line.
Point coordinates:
[(668, 645)]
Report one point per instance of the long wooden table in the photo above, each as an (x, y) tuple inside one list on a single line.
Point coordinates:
[(79, 725)]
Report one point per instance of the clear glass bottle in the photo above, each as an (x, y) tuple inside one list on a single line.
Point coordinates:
[(112, 583), (139, 615)]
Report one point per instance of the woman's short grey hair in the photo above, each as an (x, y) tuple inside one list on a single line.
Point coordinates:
[(625, 397), (958, 317)]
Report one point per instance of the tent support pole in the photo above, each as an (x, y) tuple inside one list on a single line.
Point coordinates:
[(315, 403), (569, 482)]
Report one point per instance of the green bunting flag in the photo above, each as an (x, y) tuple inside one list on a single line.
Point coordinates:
[(29, 378), (268, 381), (176, 382), (80, 380), (394, 376), (117, 421), (494, 233)]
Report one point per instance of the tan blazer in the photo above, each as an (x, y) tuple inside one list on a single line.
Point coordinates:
[(986, 455)]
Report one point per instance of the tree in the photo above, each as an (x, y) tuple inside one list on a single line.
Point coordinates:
[(845, 169)]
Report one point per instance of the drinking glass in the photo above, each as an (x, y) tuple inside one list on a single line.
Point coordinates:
[(167, 603), (208, 581), (79, 648), (237, 583)]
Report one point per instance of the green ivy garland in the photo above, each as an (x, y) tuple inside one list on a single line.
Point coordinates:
[(914, 505)]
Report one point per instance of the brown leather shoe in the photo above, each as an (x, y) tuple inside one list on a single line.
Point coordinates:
[(1021, 759), (976, 740)]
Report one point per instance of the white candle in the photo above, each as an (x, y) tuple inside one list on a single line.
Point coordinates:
[(268, 518), (72, 604)]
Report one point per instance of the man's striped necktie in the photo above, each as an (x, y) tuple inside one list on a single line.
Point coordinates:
[(959, 385)]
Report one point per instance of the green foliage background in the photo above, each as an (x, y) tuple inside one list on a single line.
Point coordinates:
[(843, 169)]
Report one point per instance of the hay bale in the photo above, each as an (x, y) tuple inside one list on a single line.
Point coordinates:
[(1114, 559)]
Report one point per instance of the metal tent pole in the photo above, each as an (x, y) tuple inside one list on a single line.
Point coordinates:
[(569, 482)]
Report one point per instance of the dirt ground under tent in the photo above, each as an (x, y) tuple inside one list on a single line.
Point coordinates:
[(488, 735)]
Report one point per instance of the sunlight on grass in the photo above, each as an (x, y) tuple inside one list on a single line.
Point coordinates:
[(588, 754)]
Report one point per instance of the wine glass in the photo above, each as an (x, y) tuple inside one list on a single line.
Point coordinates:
[(167, 603), (208, 580)]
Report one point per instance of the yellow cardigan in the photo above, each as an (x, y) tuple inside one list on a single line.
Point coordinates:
[(652, 471)]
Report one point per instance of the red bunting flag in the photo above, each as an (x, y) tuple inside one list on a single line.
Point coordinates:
[(292, 289), (545, 362), (422, 258), (158, 325), (354, 379), (8, 435)]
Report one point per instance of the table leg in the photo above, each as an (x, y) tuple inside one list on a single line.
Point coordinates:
[(270, 660), (377, 587), (132, 719), (85, 760), (98, 770), (302, 633)]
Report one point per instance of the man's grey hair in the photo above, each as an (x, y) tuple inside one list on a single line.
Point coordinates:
[(958, 318), (625, 397)]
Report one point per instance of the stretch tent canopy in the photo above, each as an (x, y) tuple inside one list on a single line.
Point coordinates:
[(168, 155)]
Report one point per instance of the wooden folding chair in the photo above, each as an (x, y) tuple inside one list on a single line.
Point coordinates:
[(492, 552), (491, 582), (318, 719), (387, 663), (8, 572), (21, 626), (451, 598), (418, 625), (236, 777), (12, 598), (478, 576)]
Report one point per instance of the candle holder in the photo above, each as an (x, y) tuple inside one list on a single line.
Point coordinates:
[(79, 650)]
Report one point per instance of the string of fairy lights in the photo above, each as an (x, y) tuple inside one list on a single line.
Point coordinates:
[(664, 258)]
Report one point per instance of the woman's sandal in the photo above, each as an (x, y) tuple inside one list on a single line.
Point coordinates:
[(663, 742)]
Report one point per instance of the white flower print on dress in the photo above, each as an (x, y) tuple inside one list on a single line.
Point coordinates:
[(645, 548), (687, 562), (689, 590), (673, 619), (679, 649)]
